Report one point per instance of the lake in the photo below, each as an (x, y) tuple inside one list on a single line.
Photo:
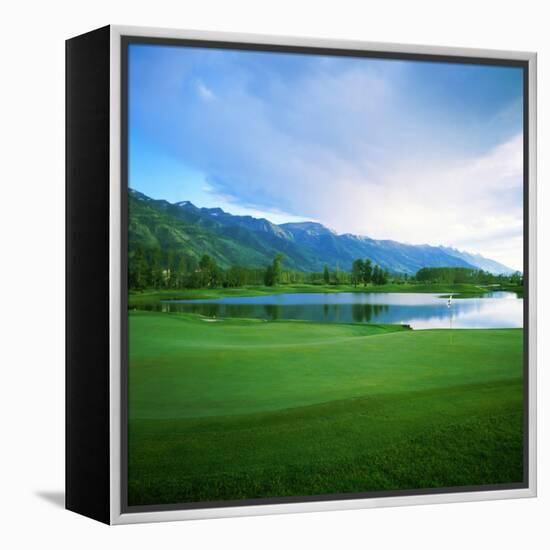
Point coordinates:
[(419, 310)]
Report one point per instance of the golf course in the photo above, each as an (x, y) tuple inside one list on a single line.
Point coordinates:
[(326, 271), (231, 409)]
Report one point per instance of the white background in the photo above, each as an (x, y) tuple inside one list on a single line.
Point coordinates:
[(32, 272)]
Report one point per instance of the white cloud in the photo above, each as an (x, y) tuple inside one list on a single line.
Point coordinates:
[(211, 198), (205, 93), (472, 203)]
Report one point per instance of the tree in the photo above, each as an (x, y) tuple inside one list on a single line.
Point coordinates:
[(269, 279), (170, 271), (137, 273), (326, 275), (180, 273), (156, 269), (204, 268), (379, 275), (204, 262), (273, 271), (357, 270), (516, 279), (235, 276), (367, 272), (376, 275), (210, 273), (278, 267)]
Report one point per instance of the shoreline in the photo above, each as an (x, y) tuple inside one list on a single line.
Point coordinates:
[(150, 296)]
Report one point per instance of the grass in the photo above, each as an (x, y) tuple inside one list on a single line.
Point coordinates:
[(239, 409), (154, 296)]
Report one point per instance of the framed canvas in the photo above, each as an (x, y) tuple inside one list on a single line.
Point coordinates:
[(300, 274)]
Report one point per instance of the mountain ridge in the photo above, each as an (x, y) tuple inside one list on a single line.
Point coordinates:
[(308, 246)]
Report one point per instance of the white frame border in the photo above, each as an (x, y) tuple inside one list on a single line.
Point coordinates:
[(117, 517)]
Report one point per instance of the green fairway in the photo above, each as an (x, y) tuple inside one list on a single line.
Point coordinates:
[(233, 409)]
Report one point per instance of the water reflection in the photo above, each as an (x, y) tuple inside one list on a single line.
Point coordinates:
[(419, 310)]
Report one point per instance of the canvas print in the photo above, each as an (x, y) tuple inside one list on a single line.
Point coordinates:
[(325, 275)]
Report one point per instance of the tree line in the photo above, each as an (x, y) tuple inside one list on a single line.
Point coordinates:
[(154, 268), (167, 269), (462, 275), (157, 269)]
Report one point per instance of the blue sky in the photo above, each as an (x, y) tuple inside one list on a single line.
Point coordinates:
[(418, 152)]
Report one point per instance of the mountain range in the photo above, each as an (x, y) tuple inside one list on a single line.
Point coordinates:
[(253, 242)]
